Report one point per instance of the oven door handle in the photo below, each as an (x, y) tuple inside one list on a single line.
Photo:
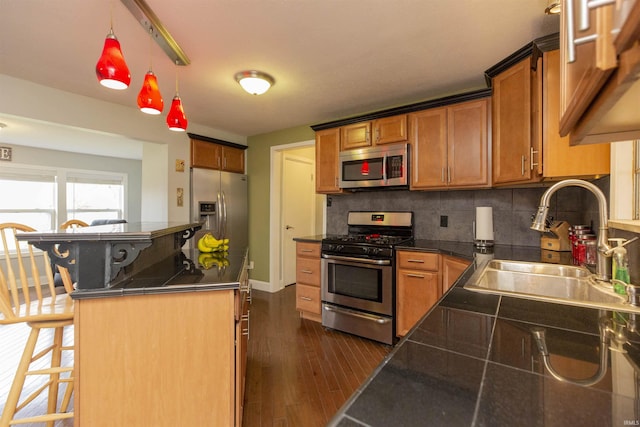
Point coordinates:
[(354, 259), (353, 313)]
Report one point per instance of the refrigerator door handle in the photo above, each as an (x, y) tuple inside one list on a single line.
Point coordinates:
[(224, 217), (219, 216)]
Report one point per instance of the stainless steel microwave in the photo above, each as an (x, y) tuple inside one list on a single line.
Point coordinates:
[(379, 166)]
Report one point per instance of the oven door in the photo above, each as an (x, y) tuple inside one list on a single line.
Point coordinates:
[(361, 284)]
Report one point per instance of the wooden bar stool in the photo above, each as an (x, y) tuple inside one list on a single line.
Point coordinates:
[(73, 223), (27, 295)]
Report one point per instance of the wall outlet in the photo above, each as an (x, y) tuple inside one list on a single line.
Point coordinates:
[(250, 267), (179, 165), (444, 221)]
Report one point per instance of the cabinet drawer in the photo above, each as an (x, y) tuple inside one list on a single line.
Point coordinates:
[(305, 249), (308, 298), (418, 260), (308, 271)]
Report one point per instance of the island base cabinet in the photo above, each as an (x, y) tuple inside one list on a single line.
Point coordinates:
[(155, 360)]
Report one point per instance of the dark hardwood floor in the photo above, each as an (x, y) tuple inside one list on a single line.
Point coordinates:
[(298, 373)]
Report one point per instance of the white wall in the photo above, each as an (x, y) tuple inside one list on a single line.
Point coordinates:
[(42, 104)]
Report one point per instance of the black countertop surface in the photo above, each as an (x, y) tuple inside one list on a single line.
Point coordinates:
[(472, 361)]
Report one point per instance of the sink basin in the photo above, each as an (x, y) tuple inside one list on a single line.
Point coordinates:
[(554, 283), (539, 268)]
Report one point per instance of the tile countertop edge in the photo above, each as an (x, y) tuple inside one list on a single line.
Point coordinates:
[(494, 395)]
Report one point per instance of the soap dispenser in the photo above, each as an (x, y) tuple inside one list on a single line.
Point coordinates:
[(619, 266)]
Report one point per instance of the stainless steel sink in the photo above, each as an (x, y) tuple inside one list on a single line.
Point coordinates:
[(555, 283), (539, 268)]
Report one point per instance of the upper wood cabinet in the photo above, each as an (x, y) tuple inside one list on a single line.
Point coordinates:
[(327, 152), (450, 146), (209, 155), (527, 146), (600, 89), (511, 124), (385, 130), (389, 130), (357, 135), (559, 158), (585, 65)]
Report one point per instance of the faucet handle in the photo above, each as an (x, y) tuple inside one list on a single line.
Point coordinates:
[(633, 292)]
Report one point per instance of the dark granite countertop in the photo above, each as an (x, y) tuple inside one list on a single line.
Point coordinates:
[(472, 361)]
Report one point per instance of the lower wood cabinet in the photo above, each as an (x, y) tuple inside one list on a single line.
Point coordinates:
[(421, 280), (452, 268), (308, 276)]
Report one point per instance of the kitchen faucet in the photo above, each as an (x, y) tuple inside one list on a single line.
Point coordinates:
[(603, 260)]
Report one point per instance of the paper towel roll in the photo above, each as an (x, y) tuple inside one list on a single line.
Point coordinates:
[(484, 223)]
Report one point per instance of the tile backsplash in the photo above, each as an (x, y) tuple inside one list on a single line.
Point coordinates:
[(512, 210)]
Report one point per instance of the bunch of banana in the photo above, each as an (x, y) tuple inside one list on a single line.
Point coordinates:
[(213, 259), (213, 252), (208, 243)]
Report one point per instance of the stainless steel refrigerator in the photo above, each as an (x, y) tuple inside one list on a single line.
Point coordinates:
[(219, 201)]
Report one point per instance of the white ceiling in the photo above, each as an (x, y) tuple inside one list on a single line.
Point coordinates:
[(331, 58)]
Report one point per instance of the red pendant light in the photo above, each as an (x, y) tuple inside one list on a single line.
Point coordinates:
[(176, 119), (149, 99), (111, 69)]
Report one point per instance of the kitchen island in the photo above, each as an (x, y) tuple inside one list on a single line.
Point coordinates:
[(163, 342), (472, 360)]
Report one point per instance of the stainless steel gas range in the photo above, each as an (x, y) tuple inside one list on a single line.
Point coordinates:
[(358, 274)]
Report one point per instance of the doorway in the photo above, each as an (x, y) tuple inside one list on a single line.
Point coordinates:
[(293, 202)]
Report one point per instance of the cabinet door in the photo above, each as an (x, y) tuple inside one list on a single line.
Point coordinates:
[(390, 129), (357, 135), (559, 159), (585, 67), (511, 128), (428, 138), (233, 159), (205, 154), (327, 151), (417, 291), (452, 268), (467, 144)]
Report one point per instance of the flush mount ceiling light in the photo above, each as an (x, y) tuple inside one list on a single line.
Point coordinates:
[(553, 7), (111, 69), (255, 82)]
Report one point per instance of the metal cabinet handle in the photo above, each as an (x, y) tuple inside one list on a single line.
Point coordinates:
[(448, 174), (531, 158), (442, 175), (306, 271), (306, 299), (417, 276), (305, 250), (583, 24), (419, 261)]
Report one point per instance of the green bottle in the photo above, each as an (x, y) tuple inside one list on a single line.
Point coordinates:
[(620, 266)]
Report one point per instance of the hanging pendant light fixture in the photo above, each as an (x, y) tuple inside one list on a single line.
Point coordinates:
[(176, 119), (111, 69), (149, 99), (255, 82)]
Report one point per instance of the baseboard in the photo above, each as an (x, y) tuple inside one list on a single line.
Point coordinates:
[(263, 286)]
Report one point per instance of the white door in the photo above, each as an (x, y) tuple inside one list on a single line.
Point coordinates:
[(298, 210)]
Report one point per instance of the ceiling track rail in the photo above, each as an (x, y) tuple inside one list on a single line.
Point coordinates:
[(152, 24)]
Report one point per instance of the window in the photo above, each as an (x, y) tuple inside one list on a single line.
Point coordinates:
[(89, 197), (43, 199)]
